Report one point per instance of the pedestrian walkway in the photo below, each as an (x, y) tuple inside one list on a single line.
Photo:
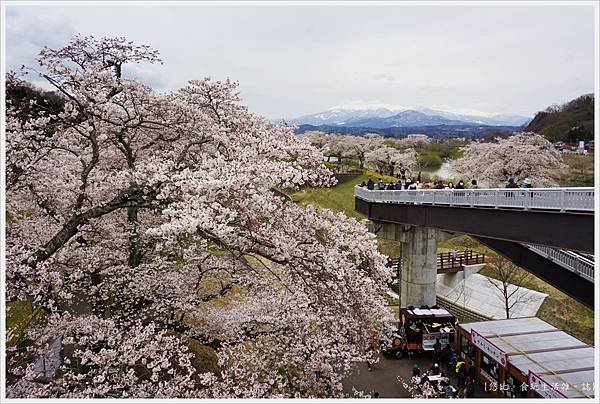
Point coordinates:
[(383, 378)]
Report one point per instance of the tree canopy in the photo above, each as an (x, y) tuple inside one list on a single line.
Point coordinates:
[(523, 155), (146, 227)]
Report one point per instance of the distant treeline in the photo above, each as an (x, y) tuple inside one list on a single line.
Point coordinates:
[(437, 131), (569, 122)]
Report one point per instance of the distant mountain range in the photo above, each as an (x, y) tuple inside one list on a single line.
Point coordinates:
[(379, 118), (434, 131)]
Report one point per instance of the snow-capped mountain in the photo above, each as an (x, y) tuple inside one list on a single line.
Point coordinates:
[(343, 116), (480, 119), (386, 117)]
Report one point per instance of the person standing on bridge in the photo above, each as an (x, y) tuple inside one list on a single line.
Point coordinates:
[(413, 185), (474, 184), (511, 183), (381, 184), (526, 183), (460, 185), (370, 185)]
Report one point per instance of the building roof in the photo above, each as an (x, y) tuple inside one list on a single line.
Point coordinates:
[(532, 345), (581, 383), (558, 361)]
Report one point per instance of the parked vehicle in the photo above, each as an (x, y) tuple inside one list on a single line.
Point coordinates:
[(419, 329)]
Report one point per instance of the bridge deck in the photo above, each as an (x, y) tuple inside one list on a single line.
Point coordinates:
[(565, 221), (519, 224), (554, 199)]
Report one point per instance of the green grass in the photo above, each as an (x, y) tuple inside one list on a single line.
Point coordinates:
[(464, 242), (391, 248), (16, 312), (580, 172), (339, 198), (20, 315)]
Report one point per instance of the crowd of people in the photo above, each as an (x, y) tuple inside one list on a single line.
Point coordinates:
[(412, 184), (435, 383)]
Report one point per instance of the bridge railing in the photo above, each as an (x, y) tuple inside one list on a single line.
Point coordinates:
[(448, 260), (572, 261), (561, 199)]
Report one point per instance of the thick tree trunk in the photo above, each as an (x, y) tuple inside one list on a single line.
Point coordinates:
[(133, 198)]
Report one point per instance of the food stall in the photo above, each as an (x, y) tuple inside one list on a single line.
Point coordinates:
[(419, 328), (527, 357)]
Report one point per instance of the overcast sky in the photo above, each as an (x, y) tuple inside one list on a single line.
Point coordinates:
[(294, 60)]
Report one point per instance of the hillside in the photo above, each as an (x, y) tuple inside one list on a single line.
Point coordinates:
[(568, 122)]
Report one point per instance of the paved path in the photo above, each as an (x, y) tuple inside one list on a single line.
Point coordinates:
[(383, 378)]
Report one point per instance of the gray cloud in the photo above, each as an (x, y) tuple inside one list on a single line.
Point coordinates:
[(27, 33), (383, 77), (294, 60)]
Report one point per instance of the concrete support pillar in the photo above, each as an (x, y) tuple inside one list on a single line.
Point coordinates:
[(419, 260), (419, 267)]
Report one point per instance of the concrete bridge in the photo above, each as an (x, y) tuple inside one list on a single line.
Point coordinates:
[(547, 231)]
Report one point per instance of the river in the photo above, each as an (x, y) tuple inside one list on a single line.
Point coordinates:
[(444, 172)]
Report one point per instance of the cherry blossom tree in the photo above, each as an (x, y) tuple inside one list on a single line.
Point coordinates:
[(331, 145), (410, 143), (523, 155), (358, 146), (386, 159), (316, 138), (147, 228), (338, 147), (344, 146)]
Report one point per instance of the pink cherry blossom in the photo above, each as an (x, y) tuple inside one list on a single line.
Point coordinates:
[(151, 230)]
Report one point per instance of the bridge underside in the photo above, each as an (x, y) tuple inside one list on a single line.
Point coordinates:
[(564, 280), (571, 231)]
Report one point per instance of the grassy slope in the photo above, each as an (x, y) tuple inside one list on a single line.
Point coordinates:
[(339, 198), (558, 309), (580, 172)]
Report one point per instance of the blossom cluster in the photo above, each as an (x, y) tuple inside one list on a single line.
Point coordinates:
[(152, 231)]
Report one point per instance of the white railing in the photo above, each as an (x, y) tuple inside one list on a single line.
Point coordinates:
[(561, 199), (570, 260)]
